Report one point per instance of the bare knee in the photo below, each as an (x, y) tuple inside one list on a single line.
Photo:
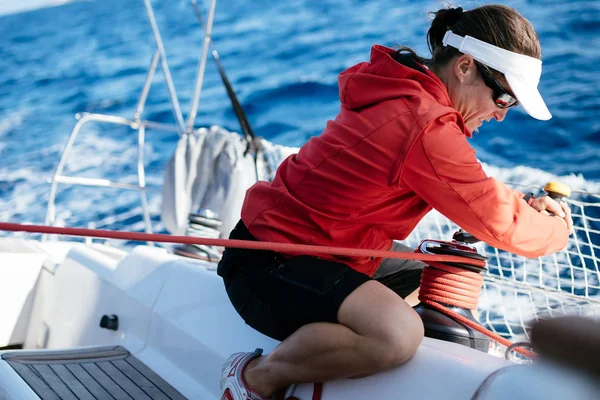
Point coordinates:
[(399, 346), (391, 335)]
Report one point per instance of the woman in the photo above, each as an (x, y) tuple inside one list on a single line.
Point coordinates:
[(397, 149)]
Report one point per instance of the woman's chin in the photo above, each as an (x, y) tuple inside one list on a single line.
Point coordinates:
[(473, 125)]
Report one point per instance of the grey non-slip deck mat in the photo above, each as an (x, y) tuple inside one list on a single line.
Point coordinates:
[(94, 373)]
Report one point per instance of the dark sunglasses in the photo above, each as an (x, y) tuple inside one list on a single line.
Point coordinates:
[(502, 98)]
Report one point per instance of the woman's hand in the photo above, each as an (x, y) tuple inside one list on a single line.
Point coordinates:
[(547, 205)]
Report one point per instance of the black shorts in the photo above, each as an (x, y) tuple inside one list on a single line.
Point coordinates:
[(276, 296)]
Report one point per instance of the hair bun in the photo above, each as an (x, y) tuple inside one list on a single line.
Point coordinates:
[(453, 15)]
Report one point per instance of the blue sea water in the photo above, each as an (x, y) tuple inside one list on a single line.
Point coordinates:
[(282, 58)]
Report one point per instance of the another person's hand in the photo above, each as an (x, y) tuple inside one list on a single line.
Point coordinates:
[(547, 205)]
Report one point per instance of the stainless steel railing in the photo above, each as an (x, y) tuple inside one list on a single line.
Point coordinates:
[(136, 123)]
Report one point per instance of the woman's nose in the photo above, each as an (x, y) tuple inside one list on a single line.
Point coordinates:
[(500, 114)]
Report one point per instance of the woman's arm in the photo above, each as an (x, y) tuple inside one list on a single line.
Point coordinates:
[(442, 169)]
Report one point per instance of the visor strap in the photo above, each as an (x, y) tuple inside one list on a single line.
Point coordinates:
[(454, 40)]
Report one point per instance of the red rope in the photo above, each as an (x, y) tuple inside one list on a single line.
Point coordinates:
[(479, 328), (444, 284), (317, 391), (450, 285), (284, 248), (440, 283)]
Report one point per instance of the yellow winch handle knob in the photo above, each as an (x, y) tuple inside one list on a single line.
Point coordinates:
[(557, 190)]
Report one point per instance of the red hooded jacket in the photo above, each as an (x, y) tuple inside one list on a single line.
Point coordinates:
[(396, 149)]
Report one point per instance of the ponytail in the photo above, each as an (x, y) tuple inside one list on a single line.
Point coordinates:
[(443, 20)]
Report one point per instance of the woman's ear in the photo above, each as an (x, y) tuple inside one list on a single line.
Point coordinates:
[(465, 69)]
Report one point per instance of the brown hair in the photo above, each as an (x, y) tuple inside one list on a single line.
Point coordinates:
[(499, 25)]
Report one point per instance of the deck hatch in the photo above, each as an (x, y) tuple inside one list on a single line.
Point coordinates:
[(94, 373)]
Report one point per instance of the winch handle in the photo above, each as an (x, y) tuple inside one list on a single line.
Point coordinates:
[(557, 191), (464, 237)]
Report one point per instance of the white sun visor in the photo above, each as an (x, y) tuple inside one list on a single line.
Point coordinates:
[(521, 72)]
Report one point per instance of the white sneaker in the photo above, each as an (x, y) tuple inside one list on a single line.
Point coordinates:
[(233, 384)]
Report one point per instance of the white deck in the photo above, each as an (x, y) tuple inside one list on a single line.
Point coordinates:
[(175, 316)]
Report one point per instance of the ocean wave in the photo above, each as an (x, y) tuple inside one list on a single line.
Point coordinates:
[(525, 177), (295, 91)]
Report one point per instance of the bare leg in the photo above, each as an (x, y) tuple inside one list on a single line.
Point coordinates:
[(363, 343)]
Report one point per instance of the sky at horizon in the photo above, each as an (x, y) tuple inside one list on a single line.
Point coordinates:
[(17, 6)]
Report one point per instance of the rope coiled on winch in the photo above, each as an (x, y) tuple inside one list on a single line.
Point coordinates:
[(445, 285), (450, 285)]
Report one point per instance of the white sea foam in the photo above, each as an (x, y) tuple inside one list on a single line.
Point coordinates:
[(10, 122), (13, 120), (524, 176), (25, 192)]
